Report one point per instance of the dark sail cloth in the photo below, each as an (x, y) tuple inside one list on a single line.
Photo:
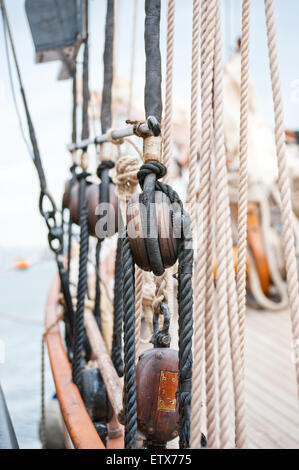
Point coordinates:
[(57, 30)]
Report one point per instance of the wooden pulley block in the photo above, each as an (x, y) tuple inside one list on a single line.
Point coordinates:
[(157, 401), (74, 202), (67, 193), (95, 396), (71, 199), (167, 243), (92, 202)]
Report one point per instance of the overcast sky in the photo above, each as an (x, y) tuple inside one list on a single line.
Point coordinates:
[(50, 100)]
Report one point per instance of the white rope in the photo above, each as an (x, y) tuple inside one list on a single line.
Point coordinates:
[(243, 173), (201, 281), (283, 181)]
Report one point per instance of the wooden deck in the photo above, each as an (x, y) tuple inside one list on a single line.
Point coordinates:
[(272, 411)]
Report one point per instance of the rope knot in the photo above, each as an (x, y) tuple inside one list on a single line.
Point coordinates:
[(112, 140), (151, 167), (106, 165), (125, 176), (83, 175)]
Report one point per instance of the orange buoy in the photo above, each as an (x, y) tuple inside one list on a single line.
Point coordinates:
[(21, 263)]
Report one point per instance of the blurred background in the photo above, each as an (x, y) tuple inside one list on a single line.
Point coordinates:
[(23, 233)]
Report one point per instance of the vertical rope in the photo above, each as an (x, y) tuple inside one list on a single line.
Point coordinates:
[(167, 122), (202, 282), (133, 54), (129, 347), (138, 308), (225, 267), (243, 173), (163, 282), (106, 110), (152, 92), (85, 119), (198, 348), (283, 182), (210, 333), (221, 259)]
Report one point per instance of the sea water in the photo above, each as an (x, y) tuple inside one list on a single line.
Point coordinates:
[(22, 307)]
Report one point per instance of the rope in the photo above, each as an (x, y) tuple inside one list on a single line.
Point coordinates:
[(283, 181), (167, 122), (129, 347), (138, 308), (210, 333), (221, 246), (202, 283), (85, 120), (35, 149), (116, 353), (126, 182), (133, 54), (106, 110), (233, 319), (162, 282), (79, 332), (243, 173), (152, 93)]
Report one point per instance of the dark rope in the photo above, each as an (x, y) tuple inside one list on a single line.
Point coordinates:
[(85, 121), (129, 346), (35, 150), (116, 353), (74, 110), (153, 77), (103, 174), (97, 302), (79, 331), (185, 305), (106, 113)]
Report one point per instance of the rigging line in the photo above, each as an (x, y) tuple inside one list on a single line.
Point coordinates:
[(13, 91), (133, 57), (85, 121), (36, 154), (106, 112), (153, 78)]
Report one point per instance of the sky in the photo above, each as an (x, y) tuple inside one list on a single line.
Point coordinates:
[(50, 100)]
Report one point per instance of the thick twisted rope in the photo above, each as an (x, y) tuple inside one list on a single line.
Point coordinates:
[(283, 182), (129, 346), (224, 233), (185, 303), (198, 340), (192, 168), (116, 352), (167, 121), (210, 323), (79, 331), (126, 182), (133, 54), (243, 172), (203, 284), (221, 245)]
